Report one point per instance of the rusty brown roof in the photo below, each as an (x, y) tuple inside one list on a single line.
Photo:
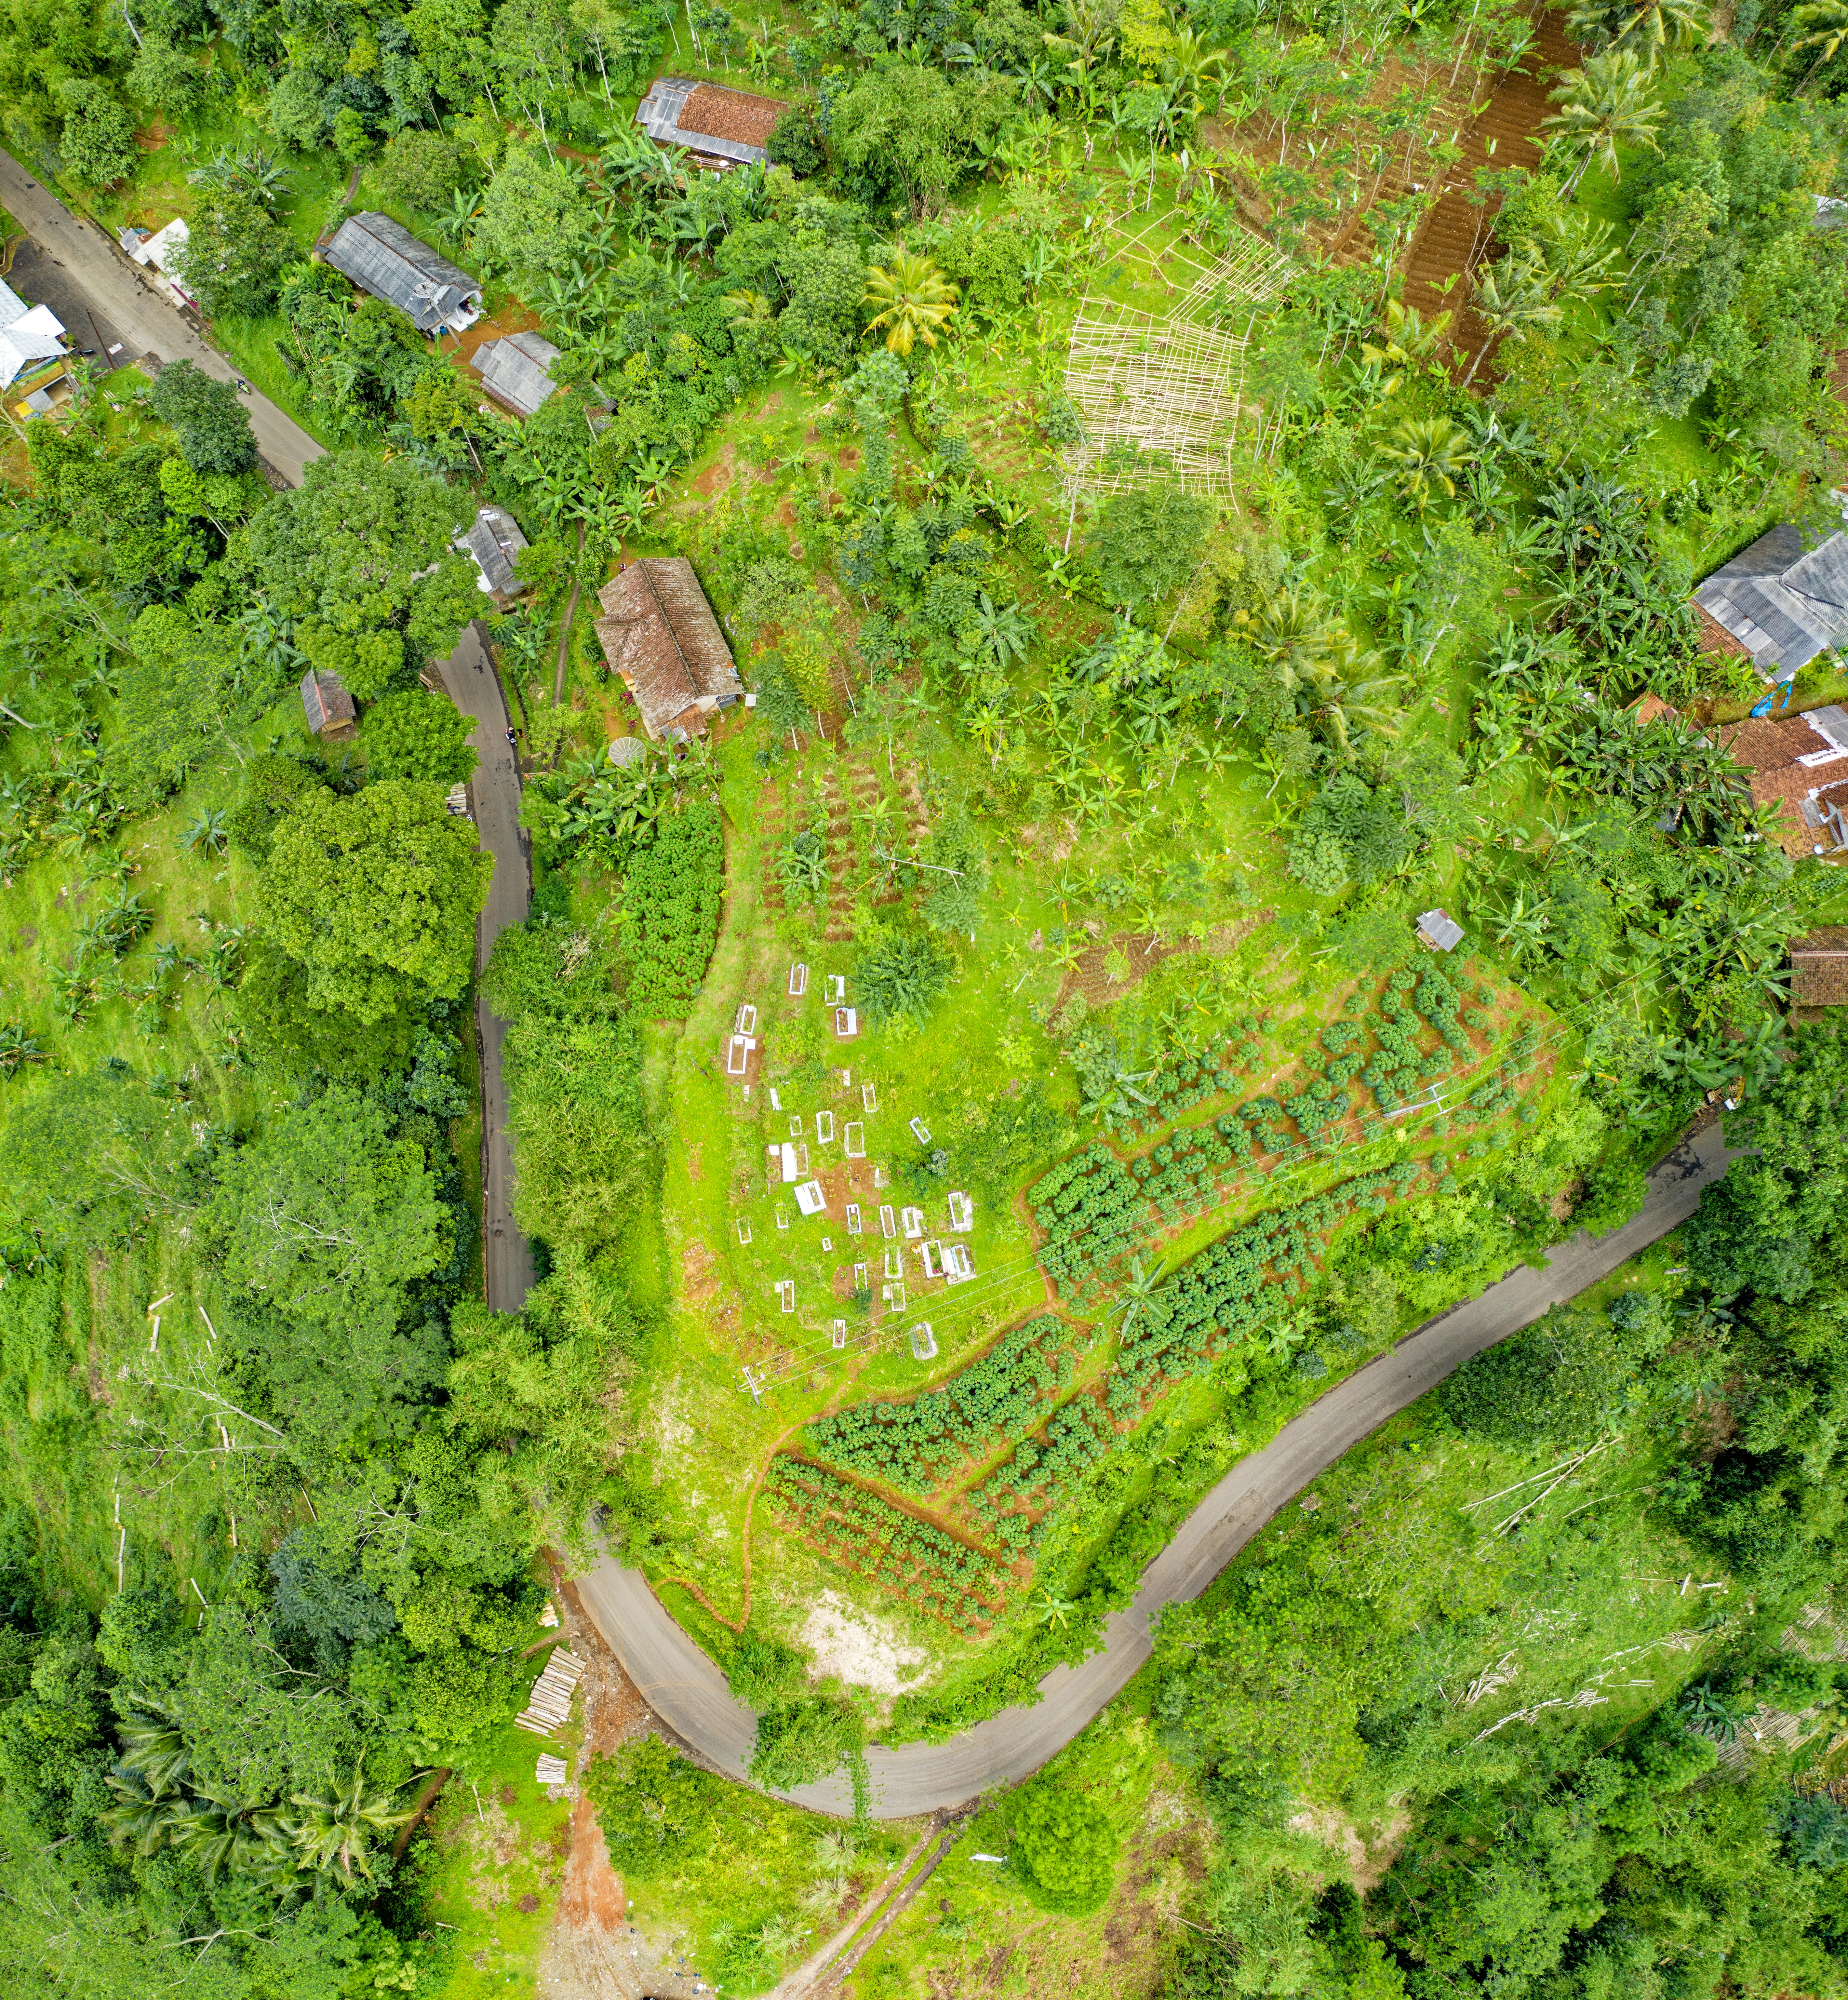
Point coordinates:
[(1819, 968), (658, 632), (1761, 744), (713, 111)]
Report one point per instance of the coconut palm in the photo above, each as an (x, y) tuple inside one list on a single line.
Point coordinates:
[(329, 1830), (1430, 452), (1651, 26), (1342, 690), (1511, 301), (1824, 23), (1611, 102), (914, 301)]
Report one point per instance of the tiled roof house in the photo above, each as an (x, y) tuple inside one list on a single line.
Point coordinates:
[(385, 259), (1819, 968), (729, 127), (1798, 766), (658, 632)]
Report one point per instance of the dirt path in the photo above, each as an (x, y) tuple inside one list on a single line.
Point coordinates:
[(595, 1952), (571, 611), (1454, 236)]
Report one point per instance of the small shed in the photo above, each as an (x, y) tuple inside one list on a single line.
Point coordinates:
[(491, 544), (327, 705), (383, 257), (516, 371), (161, 253), (1437, 932), (719, 126), (658, 632)]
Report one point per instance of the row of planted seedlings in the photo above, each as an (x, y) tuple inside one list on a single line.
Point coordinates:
[(869, 1537), (1098, 1216), (1024, 1393), (1376, 1050)]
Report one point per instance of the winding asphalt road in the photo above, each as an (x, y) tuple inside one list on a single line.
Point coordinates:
[(147, 320), (689, 1693), (475, 689)]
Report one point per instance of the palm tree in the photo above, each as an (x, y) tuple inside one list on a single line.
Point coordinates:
[(329, 1830), (1654, 25), (1341, 689), (1409, 339), (1826, 24), (1428, 451), (915, 301), (1611, 102), (1511, 301)]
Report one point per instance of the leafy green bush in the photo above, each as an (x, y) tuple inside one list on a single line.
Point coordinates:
[(804, 1739), (1065, 1849), (671, 899), (903, 975), (655, 1808), (418, 735)]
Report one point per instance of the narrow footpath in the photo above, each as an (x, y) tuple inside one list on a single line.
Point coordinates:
[(689, 1694), (474, 687), (147, 320)]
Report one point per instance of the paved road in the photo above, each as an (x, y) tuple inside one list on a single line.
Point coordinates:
[(689, 1693), (125, 299), (474, 687)]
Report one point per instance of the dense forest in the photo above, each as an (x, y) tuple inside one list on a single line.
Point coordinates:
[(1238, 837)]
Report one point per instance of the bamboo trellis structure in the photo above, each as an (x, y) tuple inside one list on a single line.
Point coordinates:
[(1173, 387)]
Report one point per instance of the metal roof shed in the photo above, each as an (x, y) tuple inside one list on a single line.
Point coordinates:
[(1782, 600), (384, 258), (1438, 931), (517, 370), (327, 704), (491, 544)]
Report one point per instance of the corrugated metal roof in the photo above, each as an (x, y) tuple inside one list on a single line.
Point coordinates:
[(1784, 602), (517, 370), (493, 541), (388, 261), (325, 702)]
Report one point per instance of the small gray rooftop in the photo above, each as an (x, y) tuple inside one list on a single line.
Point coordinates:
[(517, 370), (384, 258), (1784, 601), (491, 543), (1440, 931)]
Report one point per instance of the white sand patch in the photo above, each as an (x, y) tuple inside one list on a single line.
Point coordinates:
[(858, 1648)]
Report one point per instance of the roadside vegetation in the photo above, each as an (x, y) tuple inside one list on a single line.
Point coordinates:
[(1192, 492)]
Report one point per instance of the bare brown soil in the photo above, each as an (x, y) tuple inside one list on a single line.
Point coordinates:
[(1453, 237), (594, 1952)]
